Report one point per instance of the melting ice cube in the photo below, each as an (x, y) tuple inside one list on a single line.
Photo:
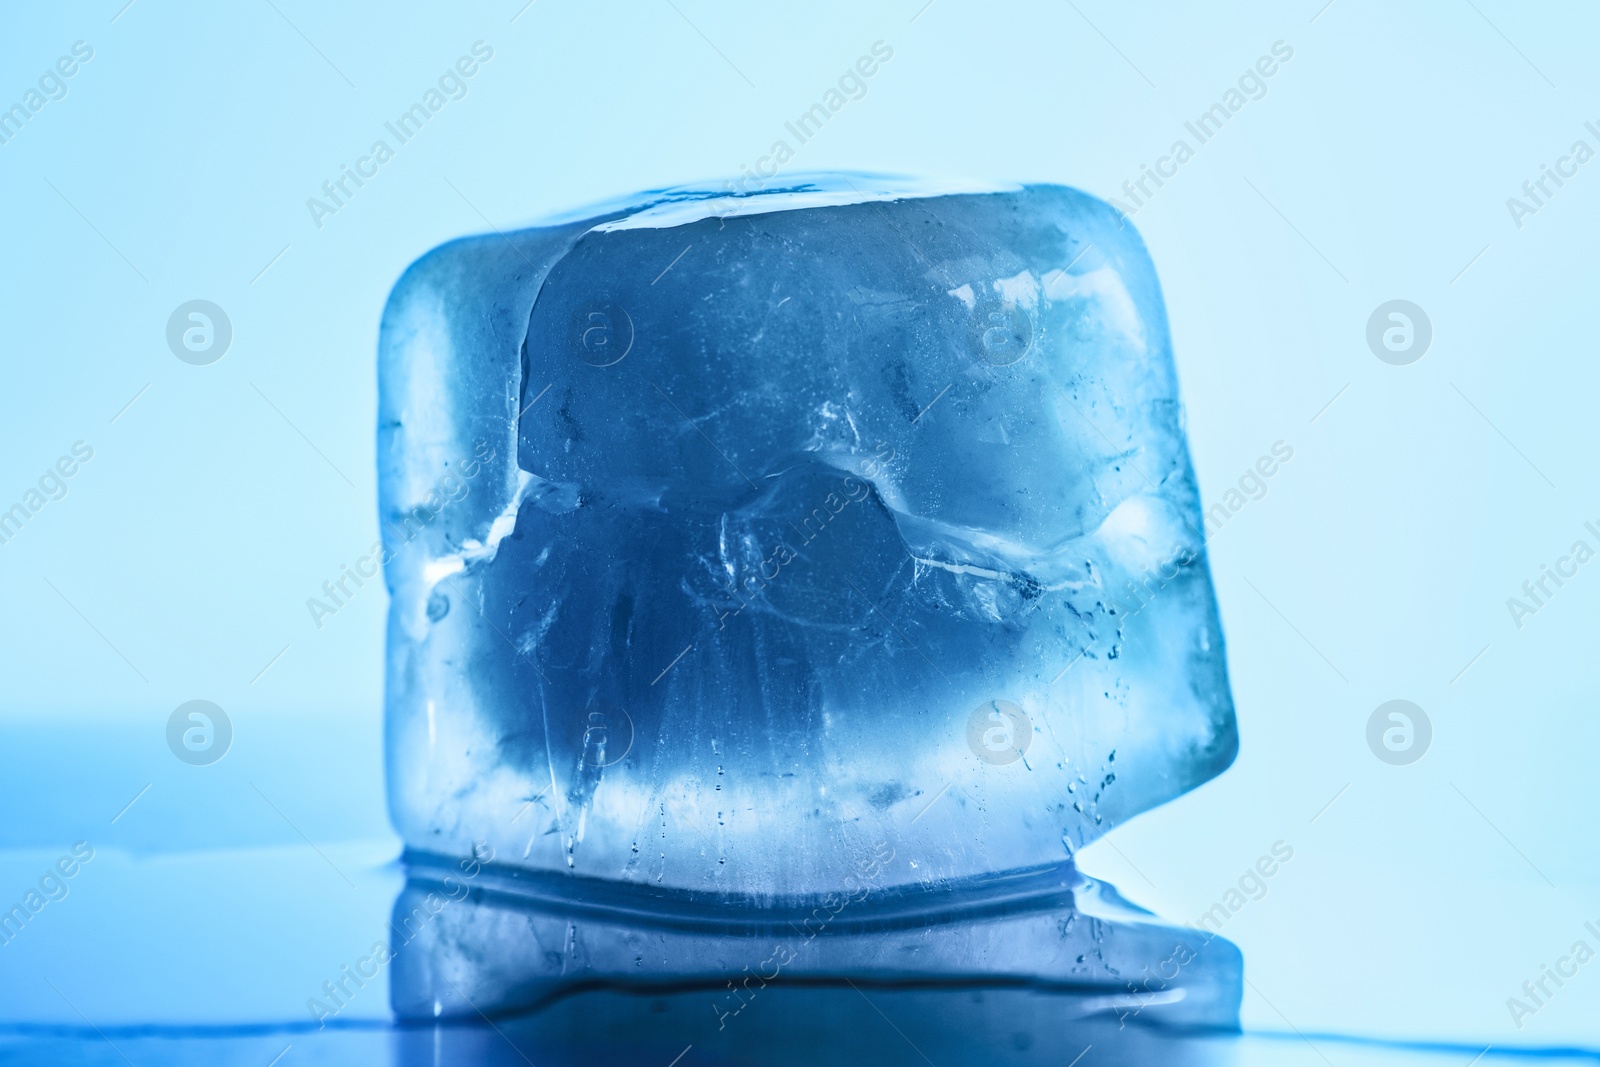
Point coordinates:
[(731, 538)]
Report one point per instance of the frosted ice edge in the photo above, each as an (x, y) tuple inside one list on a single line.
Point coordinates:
[(794, 195)]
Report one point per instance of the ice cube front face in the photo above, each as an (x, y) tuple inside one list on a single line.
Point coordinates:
[(747, 545)]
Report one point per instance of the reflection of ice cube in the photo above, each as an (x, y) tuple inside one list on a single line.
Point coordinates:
[(522, 942), (794, 482)]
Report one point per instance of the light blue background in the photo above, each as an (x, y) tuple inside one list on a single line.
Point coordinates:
[(1377, 166)]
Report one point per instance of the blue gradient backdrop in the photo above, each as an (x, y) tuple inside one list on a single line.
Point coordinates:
[(1377, 165)]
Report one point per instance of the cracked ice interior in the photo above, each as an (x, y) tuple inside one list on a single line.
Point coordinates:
[(714, 524)]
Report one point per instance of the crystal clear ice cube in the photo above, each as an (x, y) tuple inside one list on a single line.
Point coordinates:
[(730, 537)]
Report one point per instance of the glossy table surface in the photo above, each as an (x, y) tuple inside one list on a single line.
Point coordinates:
[(219, 903)]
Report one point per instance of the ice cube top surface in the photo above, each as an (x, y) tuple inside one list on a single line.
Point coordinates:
[(733, 540)]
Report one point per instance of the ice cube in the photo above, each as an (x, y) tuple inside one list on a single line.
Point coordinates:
[(729, 537)]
